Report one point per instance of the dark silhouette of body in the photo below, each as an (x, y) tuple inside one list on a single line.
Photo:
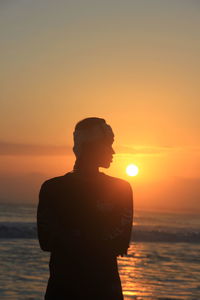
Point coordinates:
[(85, 220)]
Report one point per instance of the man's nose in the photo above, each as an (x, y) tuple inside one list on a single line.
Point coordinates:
[(113, 151)]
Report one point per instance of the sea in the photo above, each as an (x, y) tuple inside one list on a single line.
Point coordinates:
[(163, 260)]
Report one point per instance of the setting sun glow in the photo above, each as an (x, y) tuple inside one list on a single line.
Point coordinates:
[(132, 170)]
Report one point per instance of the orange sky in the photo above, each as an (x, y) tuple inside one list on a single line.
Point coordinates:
[(135, 63)]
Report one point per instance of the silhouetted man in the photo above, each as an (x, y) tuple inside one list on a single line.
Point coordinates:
[(85, 219)]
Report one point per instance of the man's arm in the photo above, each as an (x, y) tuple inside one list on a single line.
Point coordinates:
[(45, 218), (127, 221), (122, 234)]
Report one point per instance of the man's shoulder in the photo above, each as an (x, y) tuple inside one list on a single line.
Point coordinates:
[(119, 182), (54, 181)]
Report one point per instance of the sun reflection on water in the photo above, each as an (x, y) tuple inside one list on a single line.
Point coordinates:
[(158, 271), (129, 268)]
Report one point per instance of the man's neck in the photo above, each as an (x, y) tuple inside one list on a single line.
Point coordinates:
[(90, 169)]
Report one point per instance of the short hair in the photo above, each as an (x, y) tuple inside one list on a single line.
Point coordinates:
[(89, 122)]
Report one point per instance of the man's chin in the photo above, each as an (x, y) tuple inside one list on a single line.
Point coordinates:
[(105, 165)]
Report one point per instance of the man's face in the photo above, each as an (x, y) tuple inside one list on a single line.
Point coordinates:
[(103, 155)]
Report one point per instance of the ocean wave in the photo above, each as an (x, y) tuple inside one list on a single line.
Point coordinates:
[(165, 236), (24, 230), (28, 230)]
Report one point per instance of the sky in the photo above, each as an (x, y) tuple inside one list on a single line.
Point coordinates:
[(134, 63)]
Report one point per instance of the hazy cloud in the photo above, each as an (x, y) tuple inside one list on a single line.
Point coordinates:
[(8, 148), (144, 150)]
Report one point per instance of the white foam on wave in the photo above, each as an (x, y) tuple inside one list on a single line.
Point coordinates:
[(28, 230)]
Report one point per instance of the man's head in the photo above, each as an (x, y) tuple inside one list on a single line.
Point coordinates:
[(93, 140)]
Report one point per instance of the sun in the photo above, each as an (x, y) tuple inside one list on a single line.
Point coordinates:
[(132, 170)]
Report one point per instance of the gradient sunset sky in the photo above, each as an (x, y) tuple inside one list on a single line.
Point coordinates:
[(134, 63)]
